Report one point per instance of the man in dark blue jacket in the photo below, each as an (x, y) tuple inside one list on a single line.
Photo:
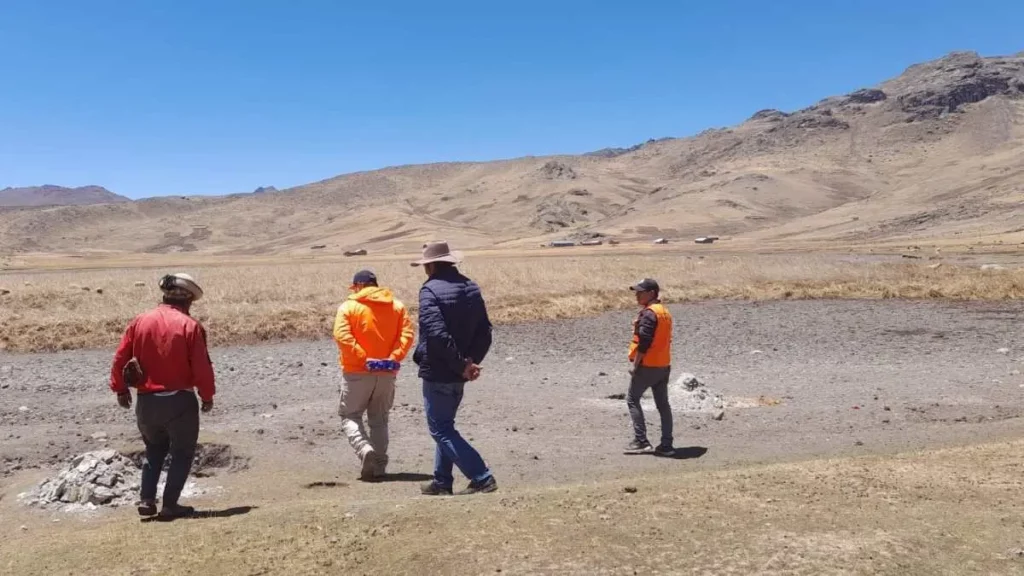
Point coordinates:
[(455, 336)]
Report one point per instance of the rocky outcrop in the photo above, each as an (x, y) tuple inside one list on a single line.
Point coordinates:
[(867, 96), (962, 78)]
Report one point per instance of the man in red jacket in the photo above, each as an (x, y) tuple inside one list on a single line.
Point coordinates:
[(169, 347)]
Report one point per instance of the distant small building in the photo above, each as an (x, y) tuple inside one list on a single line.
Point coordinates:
[(591, 243), (705, 240), (562, 243), (661, 241), (360, 252)]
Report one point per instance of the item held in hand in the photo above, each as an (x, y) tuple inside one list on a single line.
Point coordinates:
[(382, 365), (132, 373)]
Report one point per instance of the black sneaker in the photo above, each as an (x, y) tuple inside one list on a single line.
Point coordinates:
[(639, 447), (664, 450), (435, 489), (489, 485), (147, 508), (176, 511)]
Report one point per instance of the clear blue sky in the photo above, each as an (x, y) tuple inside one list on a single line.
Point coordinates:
[(219, 96)]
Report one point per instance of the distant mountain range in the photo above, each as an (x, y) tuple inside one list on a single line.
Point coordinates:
[(935, 154), (49, 195)]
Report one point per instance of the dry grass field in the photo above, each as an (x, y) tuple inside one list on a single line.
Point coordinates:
[(952, 511), (49, 310)]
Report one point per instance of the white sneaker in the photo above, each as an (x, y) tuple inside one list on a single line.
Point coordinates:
[(369, 465)]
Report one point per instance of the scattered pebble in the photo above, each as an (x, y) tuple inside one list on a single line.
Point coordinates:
[(1003, 351), (629, 489), (22, 409)]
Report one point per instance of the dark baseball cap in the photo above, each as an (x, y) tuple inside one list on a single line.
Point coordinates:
[(646, 285), (364, 277)]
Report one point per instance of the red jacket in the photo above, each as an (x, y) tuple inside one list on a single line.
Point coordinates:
[(171, 348)]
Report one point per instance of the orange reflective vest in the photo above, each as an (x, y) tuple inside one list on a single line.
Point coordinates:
[(659, 355)]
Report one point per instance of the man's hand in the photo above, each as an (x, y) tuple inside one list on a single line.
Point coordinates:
[(124, 400), (207, 405), (471, 372)]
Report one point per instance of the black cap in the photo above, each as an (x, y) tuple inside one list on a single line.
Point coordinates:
[(646, 285), (364, 277)]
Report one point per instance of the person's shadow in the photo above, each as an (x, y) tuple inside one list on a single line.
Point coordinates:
[(687, 453), (404, 477), (204, 514)]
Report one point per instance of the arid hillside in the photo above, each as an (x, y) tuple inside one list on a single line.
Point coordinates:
[(50, 195), (934, 155)]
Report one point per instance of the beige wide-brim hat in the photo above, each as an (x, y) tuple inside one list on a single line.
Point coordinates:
[(181, 284), (438, 252)]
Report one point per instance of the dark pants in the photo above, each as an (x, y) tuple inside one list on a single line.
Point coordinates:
[(169, 427), (441, 402), (657, 380)]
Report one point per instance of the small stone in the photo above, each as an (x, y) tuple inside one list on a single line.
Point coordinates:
[(629, 489), (515, 429), (1003, 351), (718, 415), (22, 409), (886, 408), (602, 373), (23, 528), (886, 421), (858, 443), (140, 284), (756, 352), (99, 436)]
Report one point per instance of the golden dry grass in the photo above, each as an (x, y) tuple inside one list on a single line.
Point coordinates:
[(254, 302), (952, 511)]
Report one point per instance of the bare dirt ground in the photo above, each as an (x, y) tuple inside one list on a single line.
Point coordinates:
[(854, 379)]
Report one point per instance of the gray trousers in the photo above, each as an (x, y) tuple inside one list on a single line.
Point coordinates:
[(373, 394), (657, 380), (170, 427)]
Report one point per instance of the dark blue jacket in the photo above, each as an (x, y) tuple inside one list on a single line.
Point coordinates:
[(454, 327)]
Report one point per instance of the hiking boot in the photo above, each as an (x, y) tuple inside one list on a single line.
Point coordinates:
[(639, 447), (176, 511), (484, 487), (435, 489), (147, 508), (664, 450), (369, 466)]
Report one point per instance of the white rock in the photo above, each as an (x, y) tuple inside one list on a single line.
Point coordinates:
[(756, 352), (1003, 351), (992, 267), (22, 409), (99, 436)]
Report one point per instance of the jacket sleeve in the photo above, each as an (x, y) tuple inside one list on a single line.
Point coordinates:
[(121, 358), (440, 345), (482, 336), (202, 366), (645, 330), (343, 333), (406, 335)]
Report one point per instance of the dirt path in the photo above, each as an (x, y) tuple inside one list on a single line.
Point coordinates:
[(852, 377)]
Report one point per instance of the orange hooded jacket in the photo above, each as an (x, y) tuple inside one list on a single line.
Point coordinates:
[(372, 324)]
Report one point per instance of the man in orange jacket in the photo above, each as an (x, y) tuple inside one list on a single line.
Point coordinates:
[(650, 353), (374, 334)]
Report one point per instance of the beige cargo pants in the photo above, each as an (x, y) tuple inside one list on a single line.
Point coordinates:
[(373, 394)]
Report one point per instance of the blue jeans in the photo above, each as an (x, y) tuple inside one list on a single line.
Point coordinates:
[(441, 402)]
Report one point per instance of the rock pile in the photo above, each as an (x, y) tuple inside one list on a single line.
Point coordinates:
[(101, 478), (688, 394)]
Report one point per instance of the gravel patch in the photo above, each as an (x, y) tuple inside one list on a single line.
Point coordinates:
[(796, 379)]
